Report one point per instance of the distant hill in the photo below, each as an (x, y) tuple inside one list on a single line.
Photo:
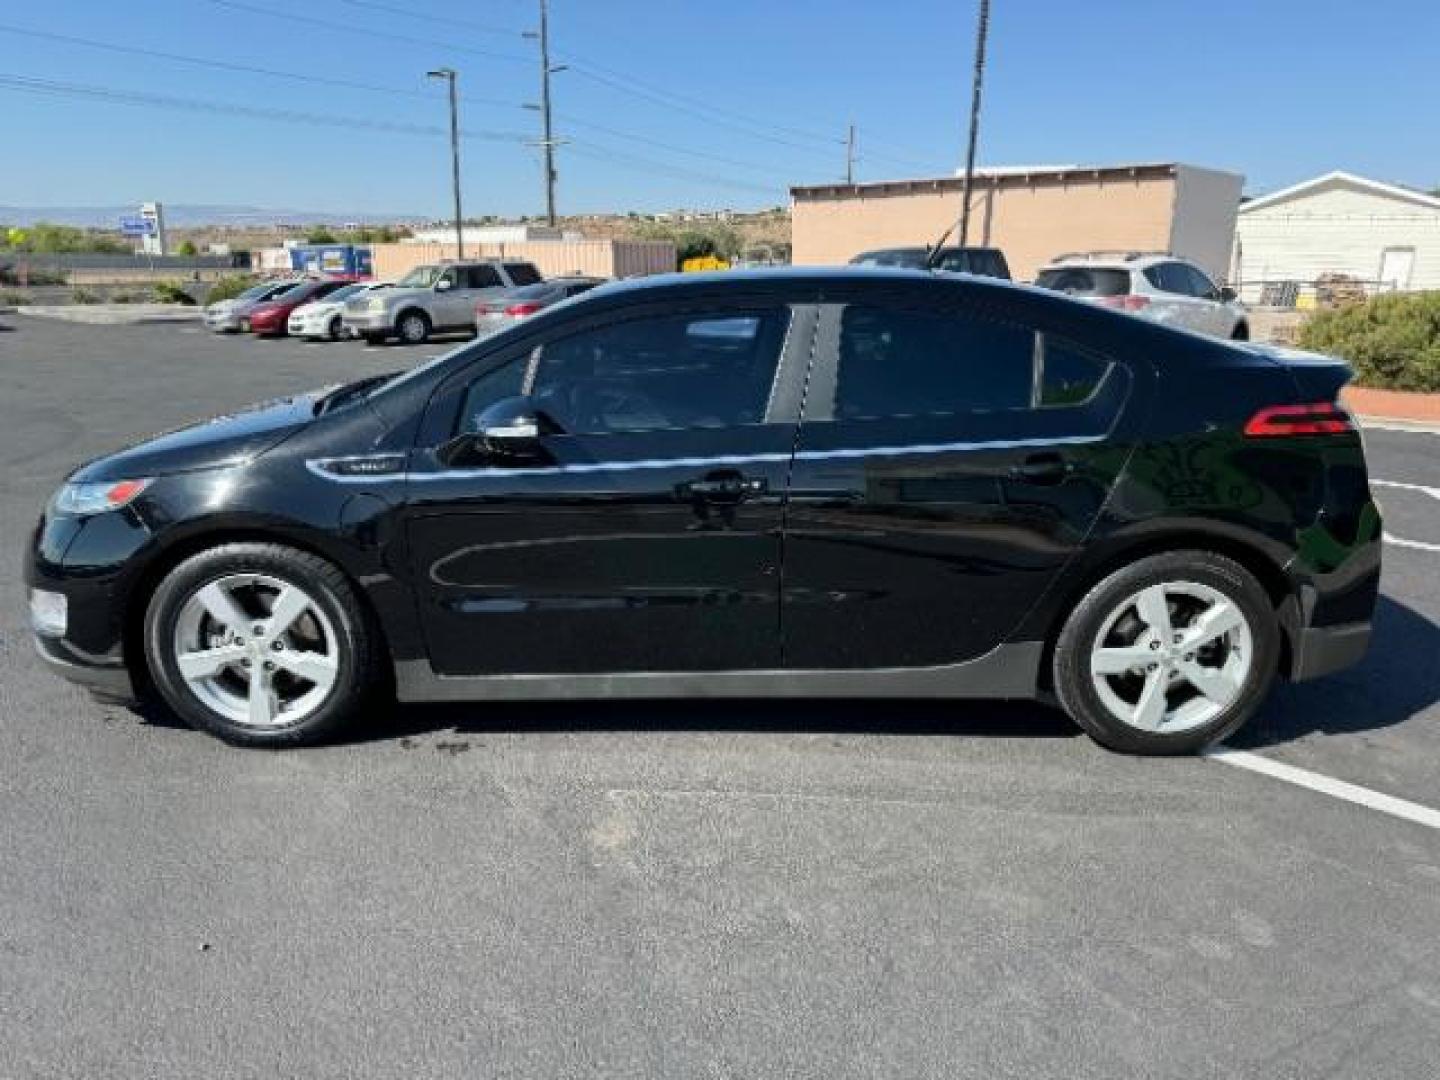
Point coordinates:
[(192, 215)]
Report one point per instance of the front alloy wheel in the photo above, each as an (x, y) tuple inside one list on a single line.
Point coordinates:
[(414, 328), (260, 644), (1169, 654)]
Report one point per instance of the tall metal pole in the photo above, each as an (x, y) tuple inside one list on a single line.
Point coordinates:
[(549, 135), (981, 33), (850, 155), (449, 75)]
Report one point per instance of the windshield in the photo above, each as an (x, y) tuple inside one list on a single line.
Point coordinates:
[(255, 292), (347, 292), (422, 277)]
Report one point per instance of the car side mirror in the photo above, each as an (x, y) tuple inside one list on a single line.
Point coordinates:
[(509, 432), (444, 285), (1229, 295)]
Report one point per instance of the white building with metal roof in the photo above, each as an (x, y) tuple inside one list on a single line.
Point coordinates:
[(1383, 235)]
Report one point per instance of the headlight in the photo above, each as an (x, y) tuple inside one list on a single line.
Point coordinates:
[(96, 498)]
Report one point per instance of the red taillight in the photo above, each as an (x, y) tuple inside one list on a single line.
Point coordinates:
[(1128, 302), (1320, 418), (519, 311)]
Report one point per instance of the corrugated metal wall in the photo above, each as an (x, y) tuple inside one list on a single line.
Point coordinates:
[(598, 258)]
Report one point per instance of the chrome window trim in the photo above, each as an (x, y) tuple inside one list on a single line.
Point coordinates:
[(318, 465)]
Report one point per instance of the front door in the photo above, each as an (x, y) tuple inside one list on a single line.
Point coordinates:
[(948, 465), (1396, 265), (646, 536)]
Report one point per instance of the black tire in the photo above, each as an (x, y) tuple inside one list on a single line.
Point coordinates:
[(413, 327), (372, 338), (333, 330), (1241, 332), (1074, 646), (359, 652)]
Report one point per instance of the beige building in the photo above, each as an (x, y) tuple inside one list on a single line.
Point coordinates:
[(554, 258), (1032, 215)]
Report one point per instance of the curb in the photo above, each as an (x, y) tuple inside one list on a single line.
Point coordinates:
[(1392, 406)]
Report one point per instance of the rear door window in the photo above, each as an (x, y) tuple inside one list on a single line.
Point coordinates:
[(899, 363), (481, 277)]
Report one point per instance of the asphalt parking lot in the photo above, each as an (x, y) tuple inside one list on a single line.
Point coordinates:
[(671, 889)]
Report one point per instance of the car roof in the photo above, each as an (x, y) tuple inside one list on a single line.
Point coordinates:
[(1116, 260)]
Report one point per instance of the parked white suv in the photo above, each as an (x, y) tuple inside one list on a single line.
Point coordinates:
[(1161, 287)]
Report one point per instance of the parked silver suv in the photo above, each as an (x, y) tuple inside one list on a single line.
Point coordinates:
[(433, 298), (1158, 286)]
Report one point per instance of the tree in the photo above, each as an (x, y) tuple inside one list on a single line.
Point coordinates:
[(187, 248), (320, 235)]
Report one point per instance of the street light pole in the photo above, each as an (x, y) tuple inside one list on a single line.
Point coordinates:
[(448, 74), (982, 31)]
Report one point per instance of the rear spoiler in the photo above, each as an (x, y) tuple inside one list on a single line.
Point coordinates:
[(1317, 377)]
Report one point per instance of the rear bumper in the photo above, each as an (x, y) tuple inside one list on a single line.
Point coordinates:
[(1324, 650), (109, 679)]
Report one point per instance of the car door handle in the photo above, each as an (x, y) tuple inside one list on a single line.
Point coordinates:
[(1042, 469)]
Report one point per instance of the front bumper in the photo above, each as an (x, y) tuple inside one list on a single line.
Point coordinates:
[(366, 322), (106, 678)]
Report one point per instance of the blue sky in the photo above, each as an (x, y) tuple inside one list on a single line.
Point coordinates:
[(691, 103)]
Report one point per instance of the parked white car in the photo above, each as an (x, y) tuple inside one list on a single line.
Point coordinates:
[(323, 318), (1161, 287)]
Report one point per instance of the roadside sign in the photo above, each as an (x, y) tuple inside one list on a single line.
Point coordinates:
[(136, 225)]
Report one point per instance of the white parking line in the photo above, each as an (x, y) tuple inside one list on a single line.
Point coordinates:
[(1416, 545), (1339, 789), (1433, 492)]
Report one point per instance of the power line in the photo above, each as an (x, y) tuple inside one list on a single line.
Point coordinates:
[(332, 26), (243, 69), (598, 152), (483, 28), (118, 96), (376, 88)]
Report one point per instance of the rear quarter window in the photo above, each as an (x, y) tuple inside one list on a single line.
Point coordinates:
[(522, 274)]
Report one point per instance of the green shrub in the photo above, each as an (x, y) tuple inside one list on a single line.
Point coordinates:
[(172, 292), (11, 298), (82, 295), (1393, 341), (229, 287), (123, 297)]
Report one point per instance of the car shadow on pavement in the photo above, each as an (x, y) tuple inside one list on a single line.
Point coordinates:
[(1399, 678), (832, 717)]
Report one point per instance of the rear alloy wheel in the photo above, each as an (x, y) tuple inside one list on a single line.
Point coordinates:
[(413, 328), (1168, 655), (259, 644)]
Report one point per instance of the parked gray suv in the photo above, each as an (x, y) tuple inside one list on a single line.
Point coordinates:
[(433, 298)]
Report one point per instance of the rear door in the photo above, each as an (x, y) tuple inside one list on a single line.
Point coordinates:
[(949, 462)]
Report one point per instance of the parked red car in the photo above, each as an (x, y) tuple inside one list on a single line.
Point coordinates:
[(269, 319)]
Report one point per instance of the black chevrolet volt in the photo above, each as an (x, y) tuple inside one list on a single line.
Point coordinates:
[(850, 483)]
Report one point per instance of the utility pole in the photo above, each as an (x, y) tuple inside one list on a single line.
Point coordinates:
[(448, 74), (982, 31), (547, 138), (850, 155)]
